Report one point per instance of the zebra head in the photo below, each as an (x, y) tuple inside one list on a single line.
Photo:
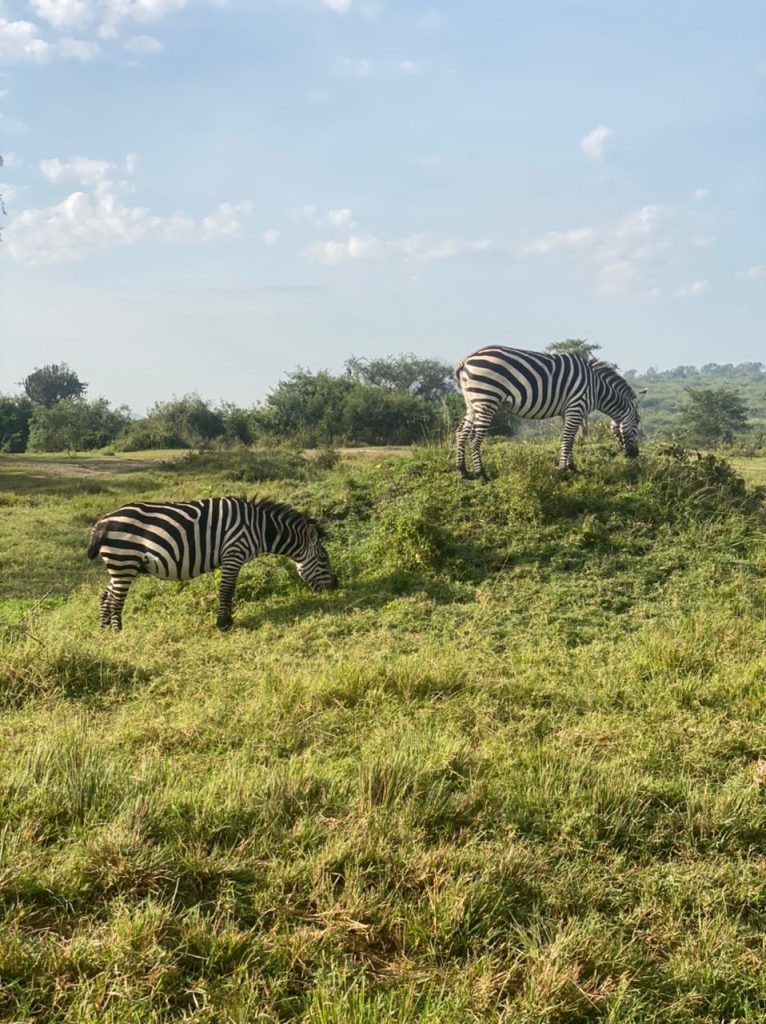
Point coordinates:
[(626, 428), (311, 559), (282, 530)]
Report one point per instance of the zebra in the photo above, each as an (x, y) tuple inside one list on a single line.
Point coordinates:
[(178, 540), (540, 385)]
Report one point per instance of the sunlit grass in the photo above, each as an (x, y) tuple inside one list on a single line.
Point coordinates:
[(508, 771)]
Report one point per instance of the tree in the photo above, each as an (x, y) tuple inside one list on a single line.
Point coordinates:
[(51, 384), (75, 425), (423, 378), (186, 422), (308, 407), (713, 416), (572, 346), (15, 414)]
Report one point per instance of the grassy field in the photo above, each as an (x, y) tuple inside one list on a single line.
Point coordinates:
[(514, 769)]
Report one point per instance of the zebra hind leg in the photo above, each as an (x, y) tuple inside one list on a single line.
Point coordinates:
[(481, 425), (105, 608), (118, 591), (463, 433)]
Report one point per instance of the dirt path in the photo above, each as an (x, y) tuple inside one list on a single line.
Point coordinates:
[(80, 467)]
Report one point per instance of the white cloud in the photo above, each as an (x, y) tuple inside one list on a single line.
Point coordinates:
[(64, 14), (615, 255), (592, 144), (78, 49), (339, 6), (19, 41), (358, 67), (341, 218), (143, 45), (8, 192), (409, 67), (416, 248), (80, 169), (226, 222), (271, 235), (755, 273), (89, 220), (694, 288), (701, 194), (337, 218), (553, 240), (332, 254), (10, 159)]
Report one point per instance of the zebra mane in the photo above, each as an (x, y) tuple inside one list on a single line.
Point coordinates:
[(280, 508), (612, 378)]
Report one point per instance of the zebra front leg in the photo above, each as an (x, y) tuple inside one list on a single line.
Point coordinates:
[(463, 433), (573, 420), (229, 572)]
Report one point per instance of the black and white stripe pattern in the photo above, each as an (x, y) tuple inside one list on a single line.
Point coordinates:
[(178, 540), (540, 385)]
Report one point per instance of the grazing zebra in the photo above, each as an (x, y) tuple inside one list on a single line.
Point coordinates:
[(537, 386), (178, 540)]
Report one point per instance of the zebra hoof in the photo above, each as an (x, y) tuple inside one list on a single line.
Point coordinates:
[(225, 623)]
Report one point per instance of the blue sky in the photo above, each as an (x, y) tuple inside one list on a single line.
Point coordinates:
[(202, 195)]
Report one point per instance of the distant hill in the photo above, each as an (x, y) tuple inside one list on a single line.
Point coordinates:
[(666, 395)]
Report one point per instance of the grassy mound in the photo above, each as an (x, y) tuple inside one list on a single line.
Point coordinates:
[(512, 770)]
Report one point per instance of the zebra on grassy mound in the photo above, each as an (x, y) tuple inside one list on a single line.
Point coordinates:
[(178, 540), (538, 386)]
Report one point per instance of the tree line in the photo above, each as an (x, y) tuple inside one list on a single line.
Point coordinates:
[(393, 400)]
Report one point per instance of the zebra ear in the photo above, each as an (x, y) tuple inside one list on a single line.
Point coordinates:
[(641, 395)]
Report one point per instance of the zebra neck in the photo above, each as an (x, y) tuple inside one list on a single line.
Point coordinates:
[(611, 403)]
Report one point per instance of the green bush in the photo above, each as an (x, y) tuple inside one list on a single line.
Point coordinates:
[(74, 424)]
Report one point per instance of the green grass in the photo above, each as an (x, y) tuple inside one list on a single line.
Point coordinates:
[(510, 771)]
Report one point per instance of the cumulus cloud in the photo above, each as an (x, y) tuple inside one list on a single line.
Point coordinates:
[(337, 218), (64, 14), (341, 218), (143, 46), (226, 222), (96, 216), (592, 144), (693, 288), (20, 41), (616, 255), (271, 235), (107, 15), (80, 169)]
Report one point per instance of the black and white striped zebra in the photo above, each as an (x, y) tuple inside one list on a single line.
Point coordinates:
[(540, 385), (178, 540)]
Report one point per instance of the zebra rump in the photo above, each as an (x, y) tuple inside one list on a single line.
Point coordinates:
[(180, 540)]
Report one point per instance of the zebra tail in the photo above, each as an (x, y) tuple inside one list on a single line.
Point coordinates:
[(458, 368), (98, 537)]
